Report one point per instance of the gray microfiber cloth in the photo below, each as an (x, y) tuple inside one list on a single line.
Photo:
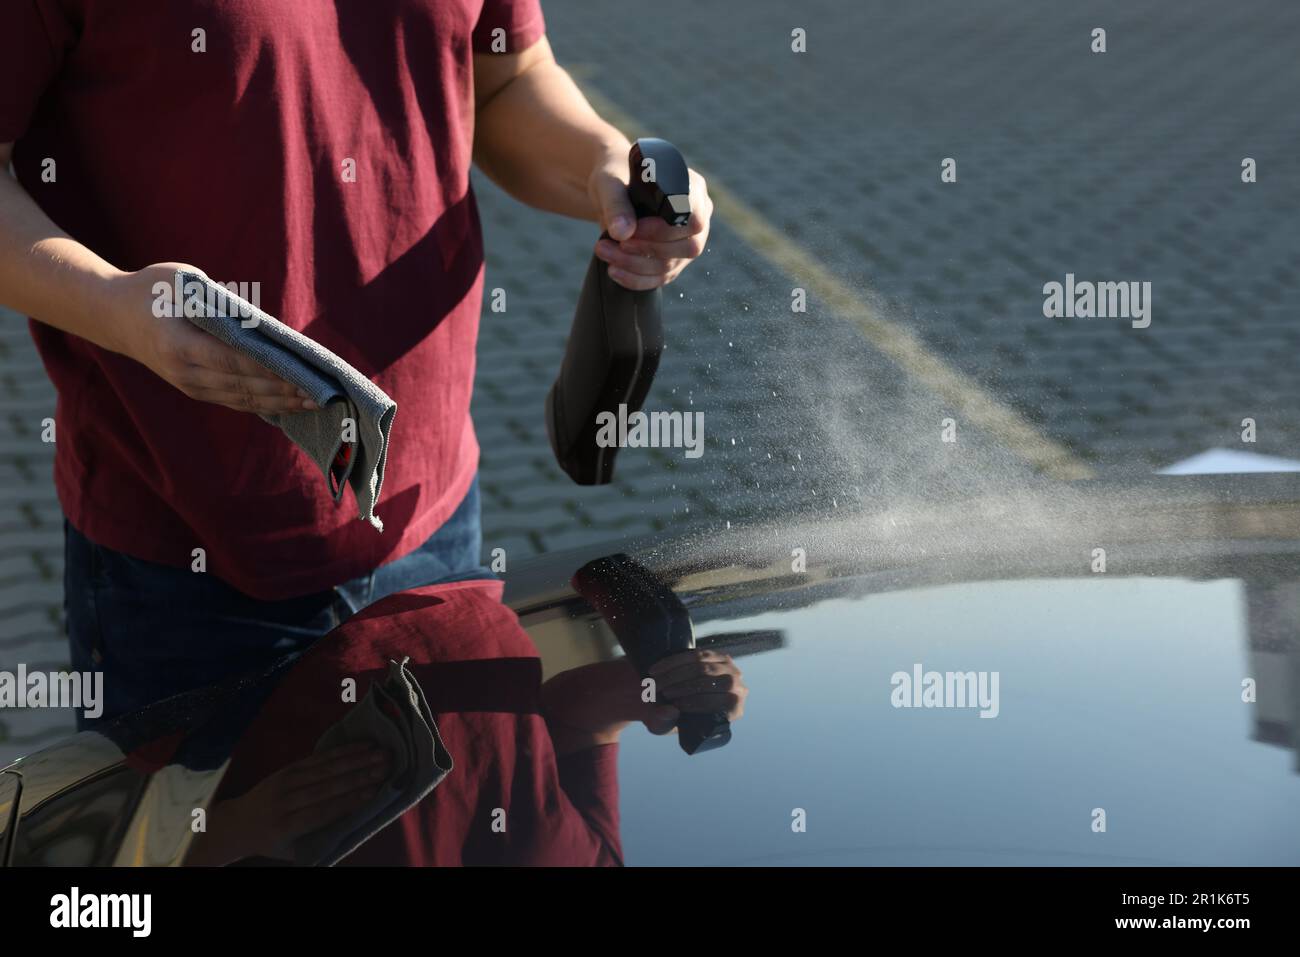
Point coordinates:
[(394, 717), (340, 390)]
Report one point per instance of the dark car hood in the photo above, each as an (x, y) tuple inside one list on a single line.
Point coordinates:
[(1119, 690), (1161, 695)]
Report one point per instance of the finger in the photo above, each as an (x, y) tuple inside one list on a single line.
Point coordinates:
[(616, 212), (652, 229), (640, 265), (697, 684), (249, 397), (244, 393), (340, 784), (328, 765), (208, 352), (671, 662), (730, 704), (327, 792), (689, 248), (699, 671), (244, 402), (662, 719), (662, 668), (215, 381), (676, 271), (307, 819), (630, 280)]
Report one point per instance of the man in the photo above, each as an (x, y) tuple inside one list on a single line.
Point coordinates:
[(320, 149)]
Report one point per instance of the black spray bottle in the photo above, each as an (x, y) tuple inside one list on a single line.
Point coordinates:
[(617, 333)]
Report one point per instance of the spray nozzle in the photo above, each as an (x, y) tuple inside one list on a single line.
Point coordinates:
[(660, 183)]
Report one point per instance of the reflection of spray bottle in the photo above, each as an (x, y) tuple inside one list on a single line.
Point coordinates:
[(617, 333), (650, 623)]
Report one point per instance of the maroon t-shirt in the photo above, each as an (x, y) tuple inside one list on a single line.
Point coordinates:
[(224, 133)]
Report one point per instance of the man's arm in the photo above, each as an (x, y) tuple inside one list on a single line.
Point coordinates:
[(535, 133), (46, 274), (589, 706), (538, 138)]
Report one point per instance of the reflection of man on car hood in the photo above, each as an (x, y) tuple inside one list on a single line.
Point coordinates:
[(509, 799)]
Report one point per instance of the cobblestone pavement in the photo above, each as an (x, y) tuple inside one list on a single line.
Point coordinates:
[(1116, 166), (31, 537)]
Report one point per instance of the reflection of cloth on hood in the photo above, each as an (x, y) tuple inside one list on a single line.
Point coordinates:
[(481, 675), (394, 716)]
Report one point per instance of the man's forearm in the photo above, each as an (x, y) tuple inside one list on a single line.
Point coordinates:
[(568, 740), (46, 274), (539, 139)]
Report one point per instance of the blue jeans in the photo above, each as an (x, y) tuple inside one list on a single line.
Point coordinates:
[(157, 631)]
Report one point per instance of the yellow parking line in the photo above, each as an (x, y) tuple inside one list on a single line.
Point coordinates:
[(968, 400)]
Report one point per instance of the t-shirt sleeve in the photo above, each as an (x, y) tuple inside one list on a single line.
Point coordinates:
[(508, 26), (34, 38)]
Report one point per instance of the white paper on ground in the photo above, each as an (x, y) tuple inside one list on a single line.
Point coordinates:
[(1229, 462)]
